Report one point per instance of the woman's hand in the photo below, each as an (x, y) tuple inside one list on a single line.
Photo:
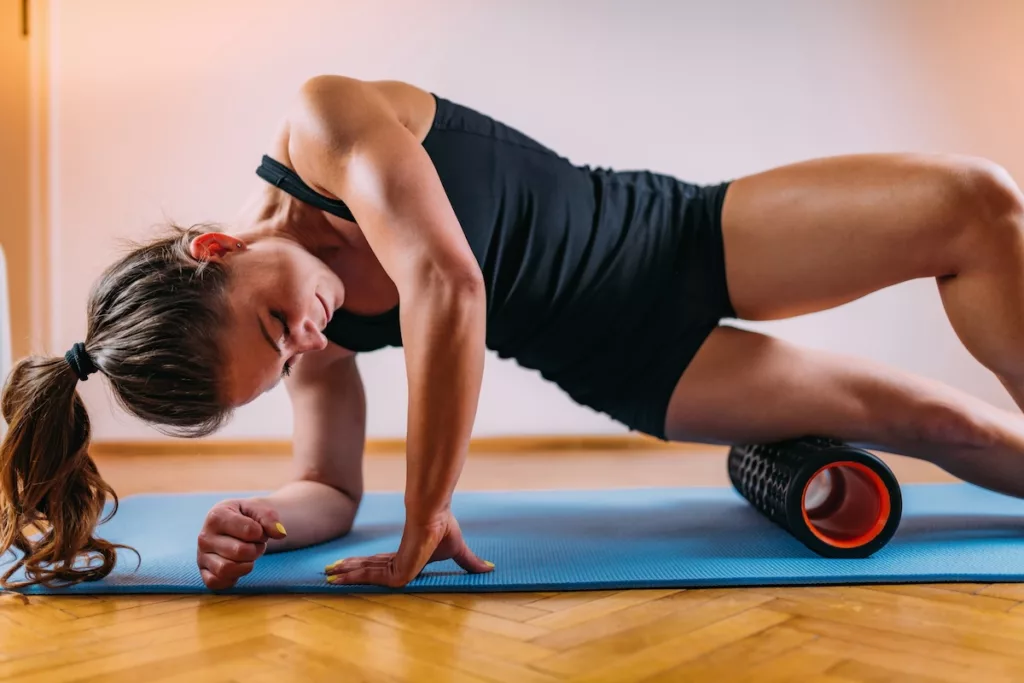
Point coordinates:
[(422, 542), (233, 537)]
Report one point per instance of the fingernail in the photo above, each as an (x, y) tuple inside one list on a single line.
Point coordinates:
[(489, 564), (332, 579), (280, 529)]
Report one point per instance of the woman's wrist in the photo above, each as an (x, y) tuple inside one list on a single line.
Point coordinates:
[(423, 510)]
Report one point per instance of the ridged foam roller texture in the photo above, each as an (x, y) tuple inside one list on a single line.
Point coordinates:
[(773, 477)]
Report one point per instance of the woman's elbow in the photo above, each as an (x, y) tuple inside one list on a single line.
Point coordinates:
[(461, 279)]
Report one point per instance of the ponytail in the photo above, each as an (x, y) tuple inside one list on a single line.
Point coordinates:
[(154, 324), (48, 480)]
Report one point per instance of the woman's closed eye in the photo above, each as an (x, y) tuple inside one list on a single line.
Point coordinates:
[(285, 332), (279, 317)]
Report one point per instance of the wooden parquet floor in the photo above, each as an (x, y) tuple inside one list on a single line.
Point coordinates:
[(959, 632)]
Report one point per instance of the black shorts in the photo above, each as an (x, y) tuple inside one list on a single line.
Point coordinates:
[(633, 376)]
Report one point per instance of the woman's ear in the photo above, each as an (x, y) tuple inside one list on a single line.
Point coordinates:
[(214, 246)]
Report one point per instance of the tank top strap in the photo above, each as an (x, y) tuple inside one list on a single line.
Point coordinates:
[(279, 175)]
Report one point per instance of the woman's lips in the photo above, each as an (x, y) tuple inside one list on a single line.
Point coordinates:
[(327, 310)]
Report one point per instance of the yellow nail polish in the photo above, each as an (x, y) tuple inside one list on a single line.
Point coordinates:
[(332, 579), (489, 564), (280, 529)]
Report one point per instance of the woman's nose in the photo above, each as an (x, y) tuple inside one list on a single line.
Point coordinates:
[(308, 338)]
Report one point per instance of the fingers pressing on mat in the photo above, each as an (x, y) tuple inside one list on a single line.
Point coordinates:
[(420, 545)]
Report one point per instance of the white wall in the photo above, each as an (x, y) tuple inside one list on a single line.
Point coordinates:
[(162, 109)]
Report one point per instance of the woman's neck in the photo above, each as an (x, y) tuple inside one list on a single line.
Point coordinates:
[(278, 214)]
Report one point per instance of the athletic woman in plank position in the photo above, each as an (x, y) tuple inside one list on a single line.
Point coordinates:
[(610, 284)]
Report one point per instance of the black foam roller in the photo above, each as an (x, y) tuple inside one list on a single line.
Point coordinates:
[(774, 479)]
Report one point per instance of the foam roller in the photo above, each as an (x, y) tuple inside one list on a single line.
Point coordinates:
[(838, 500)]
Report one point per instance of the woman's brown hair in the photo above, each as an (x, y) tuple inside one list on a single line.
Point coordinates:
[(153, 321)]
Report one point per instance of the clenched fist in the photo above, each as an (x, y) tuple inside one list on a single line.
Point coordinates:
[(233, 537)]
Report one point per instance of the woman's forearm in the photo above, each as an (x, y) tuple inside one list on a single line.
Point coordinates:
[(443, 331), (311, 513)]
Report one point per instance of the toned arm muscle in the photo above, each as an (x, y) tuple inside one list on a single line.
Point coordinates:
[(329, 409)]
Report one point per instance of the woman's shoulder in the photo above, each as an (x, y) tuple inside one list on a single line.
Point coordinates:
[(340, 103), (333, 113)]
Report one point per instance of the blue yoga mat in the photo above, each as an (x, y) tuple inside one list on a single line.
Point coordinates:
[(580, 540)]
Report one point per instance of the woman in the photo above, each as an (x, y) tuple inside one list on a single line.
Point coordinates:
[(612, 285)]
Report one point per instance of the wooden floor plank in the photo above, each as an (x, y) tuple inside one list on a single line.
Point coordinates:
[(859, 671), (908, 664), (80, 606), (157, 634), (595, 609), (447, 628), (876, 601), (446, 652), (303, 664), (242, 669), (1008, 591), (556, 602), (594, 653), (795, 664), (630, 618), (507, 606), (78, 665), (379, 655), (220, 662), (132, 618), (17, 640), (42, 618), (454, 614), (901, 622), (748, 654), (950, 650), (958, 587), (942, 594), (673, 651)]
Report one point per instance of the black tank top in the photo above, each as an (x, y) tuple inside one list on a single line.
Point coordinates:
[(569, 254)]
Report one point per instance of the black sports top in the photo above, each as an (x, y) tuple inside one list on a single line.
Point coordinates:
[(574, 258)]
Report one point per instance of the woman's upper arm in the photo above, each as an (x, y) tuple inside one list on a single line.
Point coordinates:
[(329, 409), (346, 140)]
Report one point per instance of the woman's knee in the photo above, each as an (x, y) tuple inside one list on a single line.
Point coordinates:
[(985, 204)]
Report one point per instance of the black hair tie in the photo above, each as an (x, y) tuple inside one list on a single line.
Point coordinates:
[(80, 362)]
